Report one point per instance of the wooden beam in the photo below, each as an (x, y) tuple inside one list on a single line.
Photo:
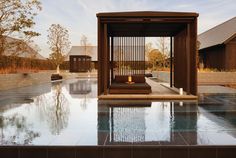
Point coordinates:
[(188, 55), (105, 62), (99, 54), (146, 20), (147, 14), (171, 55), (108, 61), (193, 58), (180, 65)]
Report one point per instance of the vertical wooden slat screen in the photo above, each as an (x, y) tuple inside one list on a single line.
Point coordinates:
[(129, 56), (111, 57)]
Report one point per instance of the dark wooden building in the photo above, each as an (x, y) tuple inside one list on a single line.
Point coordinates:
[(218, 46), (82, 59), (80, 63), (119, 30)]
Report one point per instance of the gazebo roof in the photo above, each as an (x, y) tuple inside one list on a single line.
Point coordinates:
[(146, 23), (147, 14)]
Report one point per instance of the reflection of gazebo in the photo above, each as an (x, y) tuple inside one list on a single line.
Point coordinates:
[(121, 46), (122, 122), (131, 122)]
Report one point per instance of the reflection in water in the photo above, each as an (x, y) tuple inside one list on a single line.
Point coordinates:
[(16, 97), (16, 130), (80, 87), (55, 107), (184, 116), (59, 117), (144, 122), (121, 118), (59, 111), (176, 123)]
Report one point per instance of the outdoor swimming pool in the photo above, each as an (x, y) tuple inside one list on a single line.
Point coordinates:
[(68, 113)]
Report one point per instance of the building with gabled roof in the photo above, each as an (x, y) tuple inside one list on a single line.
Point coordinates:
[(218, 46), (26, 52), (82, 59)]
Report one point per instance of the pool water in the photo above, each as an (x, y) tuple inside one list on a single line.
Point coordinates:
[(68, 113)]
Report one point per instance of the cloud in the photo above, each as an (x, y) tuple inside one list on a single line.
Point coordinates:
[(79, 16)]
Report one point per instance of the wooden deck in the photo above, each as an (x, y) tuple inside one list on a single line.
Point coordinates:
[(160, 91)]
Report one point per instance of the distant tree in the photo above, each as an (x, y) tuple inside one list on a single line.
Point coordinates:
[(86, 45), (148, 48), (162, 44), (58, 39), (17, 19), (156, 58)]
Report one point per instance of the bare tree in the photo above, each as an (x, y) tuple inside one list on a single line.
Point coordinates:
[(17, 20), (148, 48), (86, 45), (58, 39), (162, 44)]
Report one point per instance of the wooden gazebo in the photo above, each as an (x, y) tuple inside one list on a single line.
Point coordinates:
[(121, 46)]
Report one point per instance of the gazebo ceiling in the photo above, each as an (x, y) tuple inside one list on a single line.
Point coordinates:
[(145, 29)]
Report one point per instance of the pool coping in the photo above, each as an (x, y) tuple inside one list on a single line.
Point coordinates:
[(127, 151), (147, 97)]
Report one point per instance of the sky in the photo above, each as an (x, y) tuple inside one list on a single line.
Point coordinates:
[(79, 16)]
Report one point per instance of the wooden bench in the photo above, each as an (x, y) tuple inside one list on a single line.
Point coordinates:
[(139, 86)]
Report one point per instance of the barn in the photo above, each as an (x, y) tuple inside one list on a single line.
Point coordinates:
[(218, 46)]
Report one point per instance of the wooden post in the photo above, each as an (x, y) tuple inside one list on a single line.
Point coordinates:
[(171, 68), (193, 57), (108, 61), (99, 54), (188, 54), (105, 63)]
